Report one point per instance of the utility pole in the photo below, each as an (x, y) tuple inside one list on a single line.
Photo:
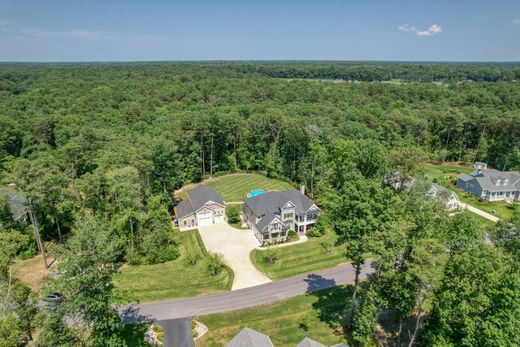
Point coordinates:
[(38, 238)]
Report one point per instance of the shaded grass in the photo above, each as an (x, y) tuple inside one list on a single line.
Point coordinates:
[(446, 175), (172, 279), (280, 320), (235, 187), (300, 258)]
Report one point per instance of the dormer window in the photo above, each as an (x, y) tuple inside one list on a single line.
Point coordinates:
[(505, 182), (498, 182)]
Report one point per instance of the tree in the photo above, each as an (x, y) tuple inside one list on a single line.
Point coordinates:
[(477, 303), (88, 261), (362, 210), (233, 214), (215, 263)]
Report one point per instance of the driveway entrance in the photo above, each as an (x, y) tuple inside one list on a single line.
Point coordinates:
[(235, 246)]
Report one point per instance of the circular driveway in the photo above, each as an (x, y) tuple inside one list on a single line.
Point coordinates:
[(235, 246)]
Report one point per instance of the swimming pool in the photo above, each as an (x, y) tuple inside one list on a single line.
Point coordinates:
[(255, 192)]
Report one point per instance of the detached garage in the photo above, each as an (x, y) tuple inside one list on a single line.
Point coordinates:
[(203, 207)]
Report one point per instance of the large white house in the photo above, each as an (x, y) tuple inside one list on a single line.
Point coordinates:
[(272, 214), (204, 206)]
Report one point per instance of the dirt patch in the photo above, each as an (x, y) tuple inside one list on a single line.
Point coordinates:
[(32, 271)]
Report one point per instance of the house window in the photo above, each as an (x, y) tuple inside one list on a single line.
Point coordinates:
[(301, 228), (311, 216), (274, 226), (274, 235), (282, 234), (185, 222), (288, 216)]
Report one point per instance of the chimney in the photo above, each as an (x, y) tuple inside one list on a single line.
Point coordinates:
[(302, 188)]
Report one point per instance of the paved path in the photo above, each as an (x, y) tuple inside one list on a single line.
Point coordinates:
[(302, 239), (235, 246), (243, 298), (177, 332), (481, 213)]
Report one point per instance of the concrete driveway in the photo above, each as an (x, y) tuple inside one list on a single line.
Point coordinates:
[(235, 246)]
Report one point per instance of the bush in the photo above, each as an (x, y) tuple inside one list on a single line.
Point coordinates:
[(233, 214), (192, 259), (304, 323), (270, 256), (215, 264)]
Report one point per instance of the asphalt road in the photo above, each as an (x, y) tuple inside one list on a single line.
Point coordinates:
[(242, 298)]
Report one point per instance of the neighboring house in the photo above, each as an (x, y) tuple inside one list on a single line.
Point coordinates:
[(436, 191), (272, 214), (491, 185), (248, 337), (204, 206), (16, 203), (306, 342)]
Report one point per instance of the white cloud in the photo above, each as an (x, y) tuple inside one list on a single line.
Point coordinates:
[(434, 29), (516, 21), (407, 28)]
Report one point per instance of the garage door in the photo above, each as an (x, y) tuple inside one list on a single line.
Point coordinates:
[(205, 218), (219, 218)]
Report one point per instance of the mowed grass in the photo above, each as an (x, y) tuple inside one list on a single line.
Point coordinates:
[(172, 279), (280, 320), (300, 258), (236, 186), (446, 175)]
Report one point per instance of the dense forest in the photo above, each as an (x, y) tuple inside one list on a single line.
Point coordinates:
[(98, 149)]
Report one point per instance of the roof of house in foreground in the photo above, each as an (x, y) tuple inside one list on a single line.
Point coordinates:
[(306, 342), (197, 198), (248, 337), (16, 203)]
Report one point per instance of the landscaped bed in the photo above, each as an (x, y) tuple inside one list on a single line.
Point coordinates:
[(286, 322), (172, 279), (317, 253)]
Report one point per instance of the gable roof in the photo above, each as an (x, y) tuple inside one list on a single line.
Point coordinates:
[(16, 203), (202, 194), (248, 337), (266, 206), (488, 179), (197, 198), (272, 202), (306, 342)]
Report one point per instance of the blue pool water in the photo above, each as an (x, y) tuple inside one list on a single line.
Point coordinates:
[(255, 193)]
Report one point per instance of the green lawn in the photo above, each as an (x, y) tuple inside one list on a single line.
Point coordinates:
[(235, 187), (300, 258), (172, 279), (446, 175), (280, 320)]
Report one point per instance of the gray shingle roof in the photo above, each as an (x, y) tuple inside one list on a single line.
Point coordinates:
[(465, 177), (183, 209), (197, 198), (202, 194), (306, 342), (248, 337), (487, 179), (267, 205), (274, 201), (17, 203)]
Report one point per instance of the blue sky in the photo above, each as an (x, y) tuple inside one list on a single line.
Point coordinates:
[(113, 30)]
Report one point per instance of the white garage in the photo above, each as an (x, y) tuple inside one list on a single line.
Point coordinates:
[(205, 218), (203, 207)]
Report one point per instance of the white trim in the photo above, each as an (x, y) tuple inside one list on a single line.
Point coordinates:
[(313, 207), (209, 201), (287, 203)]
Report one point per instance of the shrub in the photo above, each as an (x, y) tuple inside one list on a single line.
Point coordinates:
[(270, 256), (215, 263), (192, 259), (233, 214), (304, 323)]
